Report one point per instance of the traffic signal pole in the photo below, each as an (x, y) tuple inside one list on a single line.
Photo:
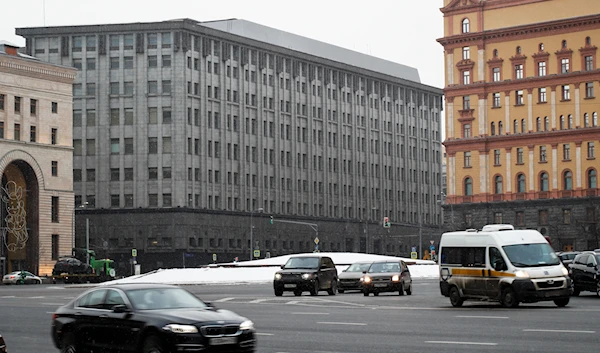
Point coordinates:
[(314, 226)]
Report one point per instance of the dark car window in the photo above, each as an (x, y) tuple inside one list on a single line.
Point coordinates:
[(302, 262), (358, 268), (93, 300), (163, 298), (582, 259), (328, 262), (114, 298), (385, 267)]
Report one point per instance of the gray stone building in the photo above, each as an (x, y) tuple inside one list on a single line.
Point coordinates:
[(188, 135)]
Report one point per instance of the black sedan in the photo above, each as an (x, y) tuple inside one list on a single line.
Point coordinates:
[(148, 318), (389, 276)]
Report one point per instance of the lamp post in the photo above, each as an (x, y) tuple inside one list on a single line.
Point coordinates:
[(260, 209), (87, 232), (451, 210)]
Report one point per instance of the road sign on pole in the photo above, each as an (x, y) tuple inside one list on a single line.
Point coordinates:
[(431, 242), (214, 257), (413, 255), (133, 252), (317, 240), (256, 253)]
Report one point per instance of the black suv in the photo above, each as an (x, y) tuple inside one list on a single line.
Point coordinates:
[(585, 272), (306, 273)]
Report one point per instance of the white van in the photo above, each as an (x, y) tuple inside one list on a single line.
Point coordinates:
[(502, 264)]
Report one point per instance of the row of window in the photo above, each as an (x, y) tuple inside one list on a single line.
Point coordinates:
[(32, 133), (543, 182), (18, 105)]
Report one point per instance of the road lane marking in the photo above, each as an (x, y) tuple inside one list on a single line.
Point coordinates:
[(7, 296), (256, 301), (464, 343), (223, 300), (481, 317), (301, 313), (558, 331), (264, 334), (341, 323)]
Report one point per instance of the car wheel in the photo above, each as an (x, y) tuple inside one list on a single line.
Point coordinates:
[(341, 291), (561, 303), (68, 344), (315, 289), (153, 344), (333, 288), (409, 290), (376, 294), (509, 298), (455, 298), (278, 292), (297, 293), (39, 282), (576, 291), (401, 290), (598, 289), (366, 293)]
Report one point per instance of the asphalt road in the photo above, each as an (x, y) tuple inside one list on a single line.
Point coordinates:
[(347, 323)]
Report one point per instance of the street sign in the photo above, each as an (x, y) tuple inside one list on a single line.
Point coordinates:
[(214, 257), (256, 253), (317, 240), (432, 247), (413, 255), (432, 252), (414, 249), (133, 252), (431, 242)]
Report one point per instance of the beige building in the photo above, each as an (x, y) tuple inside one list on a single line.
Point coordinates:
[(36, 162)]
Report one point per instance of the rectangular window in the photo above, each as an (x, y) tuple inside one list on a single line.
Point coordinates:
[(566, 152), (54, 168), (90, 64), (54, 209), (566, 216), (467, 159), (589, 63), (566, 93), (543, 217), (466, 77), (496, 103), (519, 71), (466, 102), (1, 129), (17, 105), (542, 68), (152, 173), (152, 145), (519, 155), (496, 74), (564, 66), (542, 153), (55, 246), (463, 256), (17, 132), (519, 97), (152, 61), (497, 157), (115, 174), (542, 95), (114, 146), (589, 90), (32, 134), (166, 61), (590, 150), (520, 216), (90, 174), (466, 131), (2, 100), (166, 86), (466, 53), (53, 136), (33, 107)]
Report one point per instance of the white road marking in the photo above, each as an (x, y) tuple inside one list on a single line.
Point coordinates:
[(293, 302), (342, 323), (481, 317), (7, 296), (223, 300), (257, 301), (53, 304), (264, 334), (301, 313), (558, 331), (464, 343), (35, 297)]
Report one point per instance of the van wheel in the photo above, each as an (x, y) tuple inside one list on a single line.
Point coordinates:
[(561, 303), (455, 298), (509, 298)]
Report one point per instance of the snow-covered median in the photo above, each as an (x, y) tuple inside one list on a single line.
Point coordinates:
[(262, 271)]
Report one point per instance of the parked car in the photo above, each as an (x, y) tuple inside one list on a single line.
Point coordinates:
[(148, 318), (312, 273), (3, 348), (387, 276), (585, 272), (21, 277), (349, 279), (566, 257)]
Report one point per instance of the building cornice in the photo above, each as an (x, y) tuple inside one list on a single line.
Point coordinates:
[(455, 9), (35, 69)]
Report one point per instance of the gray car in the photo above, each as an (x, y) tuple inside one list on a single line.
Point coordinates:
[(16, 276), (349, 279)]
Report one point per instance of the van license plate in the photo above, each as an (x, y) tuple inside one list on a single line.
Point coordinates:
[(289, 285), (218, 341)]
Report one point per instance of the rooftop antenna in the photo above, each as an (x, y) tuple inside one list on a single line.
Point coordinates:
[(44, 11)]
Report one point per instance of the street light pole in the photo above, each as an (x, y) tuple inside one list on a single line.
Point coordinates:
[(87, 240), (251, 233)]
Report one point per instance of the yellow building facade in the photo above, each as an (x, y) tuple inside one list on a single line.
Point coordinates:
[(522, 129)]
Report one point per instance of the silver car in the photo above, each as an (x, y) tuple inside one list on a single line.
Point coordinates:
[(16, 277)]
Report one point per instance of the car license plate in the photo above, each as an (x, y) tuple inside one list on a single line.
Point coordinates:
[(380, 285), (289, 285), (218, 341)]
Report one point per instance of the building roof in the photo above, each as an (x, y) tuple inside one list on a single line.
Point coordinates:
[(309, 46)]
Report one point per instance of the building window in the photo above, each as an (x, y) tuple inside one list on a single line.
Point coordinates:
[(564, 65), (33, 107), (17, 132), (54, 209), (519, 71), (594, 119), (543, 217), (493, 129), (566, 152), (32, 134), (497, 157), (496, 101), (544, 181), (519, 155), (542, 153), (519, 97), (466, 53), (468, 186), (54, 168), (467, 159), (466, 77), (55, 246), (466, 25), (566, 93), (591, 179), (566, 216), (498, 185), (546, 123), (590, 150), (568, 180), (521, 183), (542, 68), (466, 102), (467, 130), (2, 100), (17, 105), (589, 90), (496, 74), (542, 95), (520, 218), (589, 63)]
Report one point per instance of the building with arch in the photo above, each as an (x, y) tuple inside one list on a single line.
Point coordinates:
[(522, 86), (36, 162)]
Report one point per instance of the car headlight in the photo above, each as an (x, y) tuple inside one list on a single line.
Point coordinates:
[(395, 278), (565, 271), (278, 276), (176, 328), (522, 274), (307, 276), (366, 279), (247, 325)]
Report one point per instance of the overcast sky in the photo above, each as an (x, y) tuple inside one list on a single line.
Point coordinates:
[(404, 31)]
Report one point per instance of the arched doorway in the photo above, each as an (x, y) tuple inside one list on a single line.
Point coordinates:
[(19, 218)]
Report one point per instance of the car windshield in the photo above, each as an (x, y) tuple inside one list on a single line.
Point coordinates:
[(358, 268), (302, 262), (163, 298), (531, 255), (384, 267)]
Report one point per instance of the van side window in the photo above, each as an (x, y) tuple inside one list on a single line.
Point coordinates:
[(496, 256), (463, 256)]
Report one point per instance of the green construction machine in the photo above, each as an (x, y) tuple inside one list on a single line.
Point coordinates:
[(76, 269)]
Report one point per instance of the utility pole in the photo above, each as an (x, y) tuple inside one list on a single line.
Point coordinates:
[(87, 240)]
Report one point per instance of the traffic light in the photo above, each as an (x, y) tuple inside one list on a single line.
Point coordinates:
[(386, 222), (271, 220)]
